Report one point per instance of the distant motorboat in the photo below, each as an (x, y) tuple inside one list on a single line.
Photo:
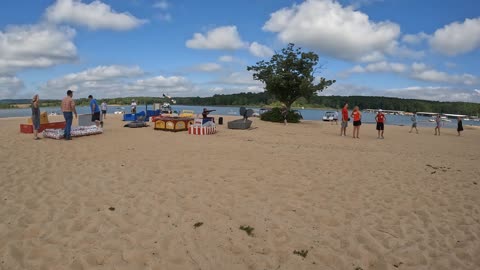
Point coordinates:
[(53, 113), (445, 119), (431, 120), (232, 112), (119, 110), (329, 116)]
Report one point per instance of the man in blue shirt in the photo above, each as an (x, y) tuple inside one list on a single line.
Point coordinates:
[(95, 110)]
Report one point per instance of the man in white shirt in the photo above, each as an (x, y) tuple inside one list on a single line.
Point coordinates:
[(104, 109), (134, 106)]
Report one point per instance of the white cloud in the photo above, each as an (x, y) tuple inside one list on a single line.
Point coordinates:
[(222, 38), (226, 58), (164, 17), (161, 5), (457, 38), (415, 39), (260, 50), (334, 30), (379, 67), (35, 46), (422, 72), (208, 67), (436, 93), (95, 15), (10, 86), (108, 78), (239, 78)]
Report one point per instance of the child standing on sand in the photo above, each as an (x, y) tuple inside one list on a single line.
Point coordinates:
[(438, 122), (414, 122), (459, 126), (357, 121), (380, 118)]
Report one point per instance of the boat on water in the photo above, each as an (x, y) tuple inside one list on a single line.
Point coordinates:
[(232, 112), (445, 119), (53, 113), (119, 110), (329, 116)]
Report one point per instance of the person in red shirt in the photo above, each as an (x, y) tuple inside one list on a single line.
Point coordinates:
[(357, 121), (380, 118), (343, 128)]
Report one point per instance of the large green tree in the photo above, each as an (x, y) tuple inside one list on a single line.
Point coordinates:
[(289, 75)]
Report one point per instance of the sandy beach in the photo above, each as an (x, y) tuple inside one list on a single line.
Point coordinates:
[(130, 199)]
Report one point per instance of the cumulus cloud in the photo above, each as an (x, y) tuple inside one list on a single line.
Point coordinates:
[(108, 80), (222, 38), (422, 72), (161, 5), (334, 30), (457, 38), (10, 86), (435, 93), (95, 15), (226, 58), (416, 38), (208, 67), (260, 50), (379, 67), (35, 46)]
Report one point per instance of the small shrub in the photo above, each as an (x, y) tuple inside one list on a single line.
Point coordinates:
[(275, 115)]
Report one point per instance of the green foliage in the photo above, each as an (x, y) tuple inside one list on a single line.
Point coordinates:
[(265, 99), (289, 75), (275, 115)]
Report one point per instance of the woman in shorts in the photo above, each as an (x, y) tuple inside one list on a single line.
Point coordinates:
[(357, 121), (35, 116)]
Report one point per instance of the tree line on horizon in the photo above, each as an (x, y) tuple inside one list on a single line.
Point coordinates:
[(264, 99)]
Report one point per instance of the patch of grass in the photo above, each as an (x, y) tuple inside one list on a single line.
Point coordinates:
[(302, 253), (247, 229), (198, 224)]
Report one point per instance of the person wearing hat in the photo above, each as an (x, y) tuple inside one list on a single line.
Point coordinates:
[(380, 118), (133, 106)]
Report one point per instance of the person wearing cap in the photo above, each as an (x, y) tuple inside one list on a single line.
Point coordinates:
[(133, 106), (95, 110), (380, 118), (68, 109)]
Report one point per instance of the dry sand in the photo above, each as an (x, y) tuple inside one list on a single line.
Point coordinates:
[(129, 199)]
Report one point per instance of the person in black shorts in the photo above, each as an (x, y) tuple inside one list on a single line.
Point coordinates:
[(95, 110)]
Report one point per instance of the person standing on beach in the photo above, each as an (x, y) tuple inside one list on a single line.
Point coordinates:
[(133, 106), (414, 122), (345, 119), (459, 126), (95, 110), (438, 122), (104, 110), (335, 117), (357, 121), (284, 114), (35, 116), (380, 118), (68, 109)]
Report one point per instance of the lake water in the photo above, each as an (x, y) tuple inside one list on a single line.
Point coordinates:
[(308, 114)]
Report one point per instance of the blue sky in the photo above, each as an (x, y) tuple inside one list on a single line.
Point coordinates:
[(403, 48)]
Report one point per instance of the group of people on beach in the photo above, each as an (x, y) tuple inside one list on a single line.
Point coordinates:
[(69, 110), (380, 120)]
